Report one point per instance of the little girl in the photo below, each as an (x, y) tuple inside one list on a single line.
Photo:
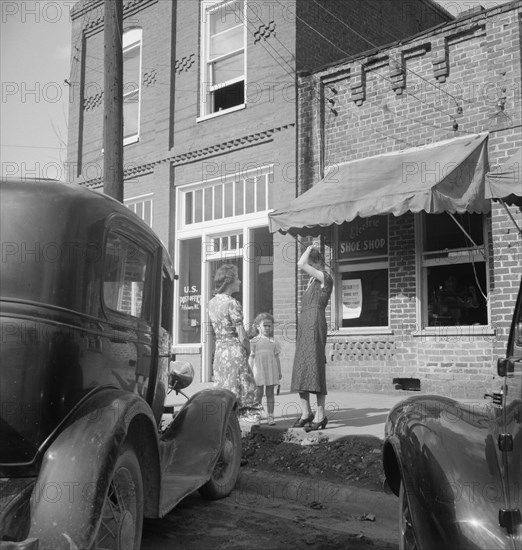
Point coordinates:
[(264, 361)]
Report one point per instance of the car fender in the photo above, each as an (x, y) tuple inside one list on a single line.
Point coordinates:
[(444, 453), (68, 497), (191, 444)]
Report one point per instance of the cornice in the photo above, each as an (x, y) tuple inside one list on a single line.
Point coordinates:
[(198, 154)]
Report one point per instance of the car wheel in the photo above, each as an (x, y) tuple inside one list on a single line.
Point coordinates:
[(407, 539), (226, 471), (122, 514)]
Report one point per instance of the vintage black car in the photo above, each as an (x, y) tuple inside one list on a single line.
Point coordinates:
[(457, 468), (86, 302)]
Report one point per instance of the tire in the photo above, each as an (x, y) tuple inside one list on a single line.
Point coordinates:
[(226, 470), (407, 540), (122, 515)]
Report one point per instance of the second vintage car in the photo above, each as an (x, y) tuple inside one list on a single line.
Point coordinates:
[(457, 467)]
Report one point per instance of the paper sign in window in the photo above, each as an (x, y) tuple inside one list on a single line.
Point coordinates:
[(352, 298)]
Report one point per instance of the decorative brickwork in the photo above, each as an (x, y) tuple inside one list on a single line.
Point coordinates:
[(265, 31), (185, 63)]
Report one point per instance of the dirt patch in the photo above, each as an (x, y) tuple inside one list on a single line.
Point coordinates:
[(355, 460)]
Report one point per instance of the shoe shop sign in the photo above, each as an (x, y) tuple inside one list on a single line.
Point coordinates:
[(363, 237)]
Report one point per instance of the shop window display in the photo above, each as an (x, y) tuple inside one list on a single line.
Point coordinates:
[(454, 270), (362, 282)]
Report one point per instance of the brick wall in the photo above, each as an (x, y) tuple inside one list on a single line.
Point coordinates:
[(329, 30), (466, 72)]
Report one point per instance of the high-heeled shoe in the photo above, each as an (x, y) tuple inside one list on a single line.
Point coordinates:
[(302, 422), (317, 425)]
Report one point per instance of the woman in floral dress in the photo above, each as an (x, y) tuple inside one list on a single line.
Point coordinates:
[(309, 370), (231, 369)]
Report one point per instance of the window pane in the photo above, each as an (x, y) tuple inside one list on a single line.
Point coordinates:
[(228, 69), (227, 16), (261, 194), (261, 252), (131, 69), (130, 115), (250, 195), (147, 214), (229, 200), (238, 210), (442, 232), (198, 200), (188, 208), (364, 296), (454, 294), (125, 270), (218, 202), (226, 42), (208, 204), (189, 329)]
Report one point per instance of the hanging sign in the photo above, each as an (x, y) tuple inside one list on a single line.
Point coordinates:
[(352, 298), (363, 237)]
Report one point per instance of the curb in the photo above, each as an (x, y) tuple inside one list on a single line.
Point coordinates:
[(378, 510)]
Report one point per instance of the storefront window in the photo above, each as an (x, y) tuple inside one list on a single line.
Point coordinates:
[(454, 270), (189, 327), (363, 273), (260, 253)]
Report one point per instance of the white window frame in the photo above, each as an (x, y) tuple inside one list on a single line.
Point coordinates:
[(455, 257), (132, 39), (208, 231), (132, 201), (265, 173), (206, 87)]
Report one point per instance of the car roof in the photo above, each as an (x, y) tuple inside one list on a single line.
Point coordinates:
[(69, 209)]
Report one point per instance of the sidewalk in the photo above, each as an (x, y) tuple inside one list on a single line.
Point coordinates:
[(348, 413)]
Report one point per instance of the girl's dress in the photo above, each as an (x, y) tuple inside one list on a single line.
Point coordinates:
[(309, 369), (231, 369), (264, 351)]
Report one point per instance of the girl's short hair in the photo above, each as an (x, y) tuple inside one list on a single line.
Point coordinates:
[(316, 257), (253, 328), (224, 276), (263, 317)]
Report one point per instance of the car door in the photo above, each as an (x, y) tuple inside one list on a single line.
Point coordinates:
[(510, 442), (127, 294)]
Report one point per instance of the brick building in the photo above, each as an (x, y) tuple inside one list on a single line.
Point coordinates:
[(210, 131), (394, 145)]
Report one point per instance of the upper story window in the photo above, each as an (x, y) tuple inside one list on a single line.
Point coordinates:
[(132, 43), (142, 206), (453, 264), (223, 59)]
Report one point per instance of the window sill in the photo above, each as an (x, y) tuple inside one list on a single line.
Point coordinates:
[(362, 331), (186, 349), (130, 140), (220, 113), (464, 330)]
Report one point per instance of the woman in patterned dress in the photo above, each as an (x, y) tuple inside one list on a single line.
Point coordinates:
[(309, 369), (231, 369)]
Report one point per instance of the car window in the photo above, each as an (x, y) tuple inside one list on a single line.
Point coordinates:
[(166, 301), (125, 272)]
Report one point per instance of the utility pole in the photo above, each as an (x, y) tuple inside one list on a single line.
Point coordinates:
[(113, 100)]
